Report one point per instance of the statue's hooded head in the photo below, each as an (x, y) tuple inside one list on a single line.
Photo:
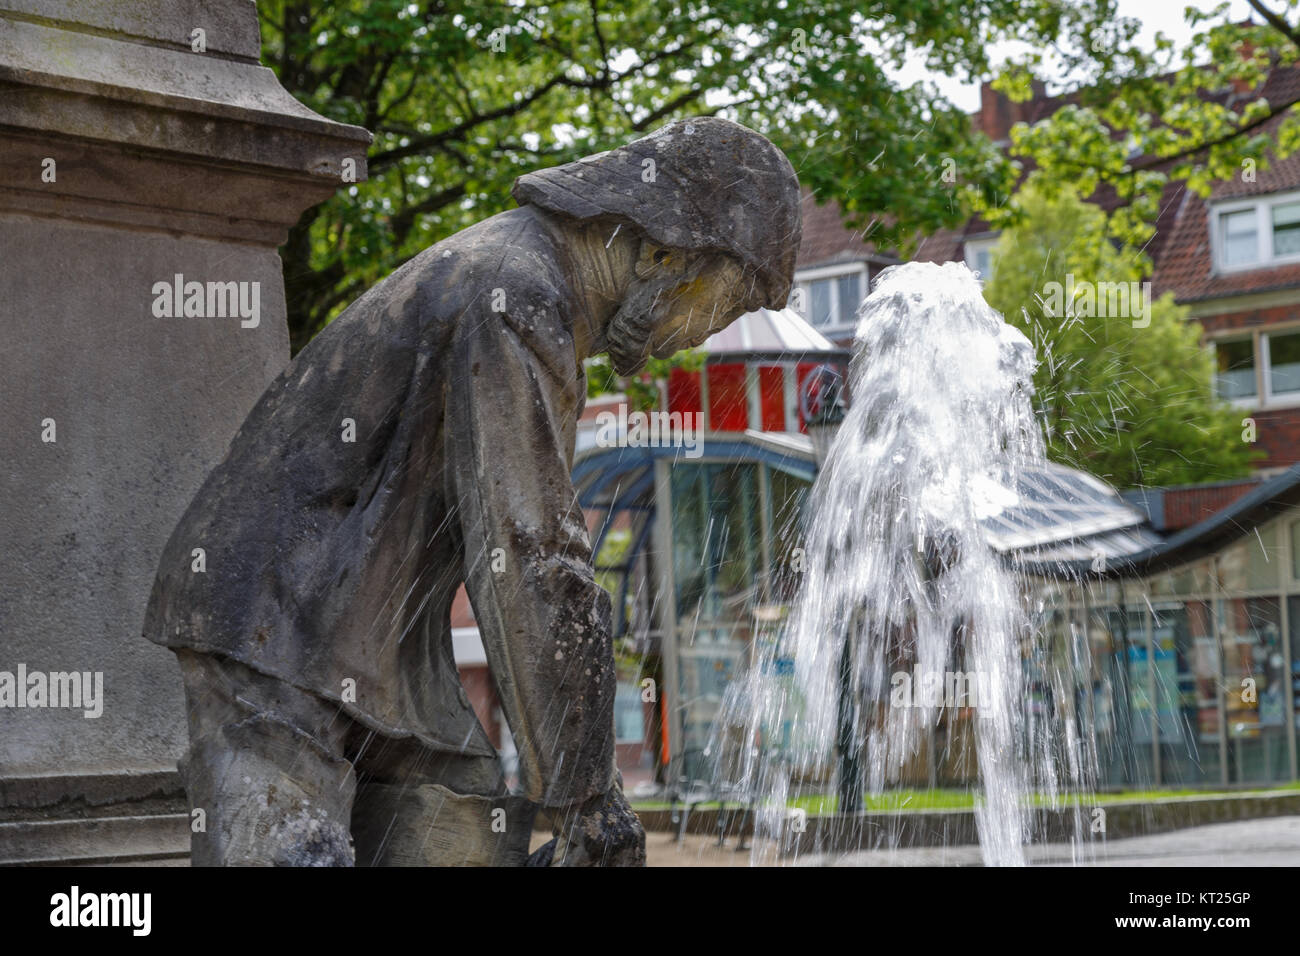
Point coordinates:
[(719, 207)]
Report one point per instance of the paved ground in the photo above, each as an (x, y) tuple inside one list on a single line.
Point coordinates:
[(1269, 842)]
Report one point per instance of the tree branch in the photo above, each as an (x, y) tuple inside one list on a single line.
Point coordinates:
[(403, 222), (425, 143), (1228, 137), (1276, 21), (600, 40), (671, 106)]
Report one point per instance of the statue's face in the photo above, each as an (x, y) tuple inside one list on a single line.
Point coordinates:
[(673, 304), (691, 312)]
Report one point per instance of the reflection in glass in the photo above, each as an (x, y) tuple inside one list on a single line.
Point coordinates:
[(1239, 232), (1284, 363), (1235, 376), (1122, 704), (718, 570), (1253, 691), (1186, 669), (1286, 229), (850, 297)]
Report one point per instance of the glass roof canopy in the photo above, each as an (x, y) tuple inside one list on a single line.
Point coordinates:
[(1062, 514), (1065, 514), (620, 480)]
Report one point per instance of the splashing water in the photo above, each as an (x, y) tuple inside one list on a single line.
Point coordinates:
[(905, 614)]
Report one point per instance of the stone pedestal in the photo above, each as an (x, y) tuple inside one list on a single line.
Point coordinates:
[(129, 164)]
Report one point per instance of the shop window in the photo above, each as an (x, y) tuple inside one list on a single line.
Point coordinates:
[(1293, 615), (719, 547), (788, 494), (1283, 363), (717, 540), (1254, 689), (1235, 369), (1251, 563), (1122, 698), (1192, 578), (1295, 550), (629, 714), (1186, 679)]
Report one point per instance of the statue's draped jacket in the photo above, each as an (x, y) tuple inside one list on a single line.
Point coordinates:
[(424, 438)]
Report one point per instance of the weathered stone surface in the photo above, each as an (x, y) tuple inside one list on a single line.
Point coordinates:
[(425, 438), (703, 185), (430, 825), (159, 137), (142, 407), (165, 162), (231, 28)]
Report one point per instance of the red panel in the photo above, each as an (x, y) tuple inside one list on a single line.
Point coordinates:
[(801, 372), (684, 391), (771, 396), (728, 403)]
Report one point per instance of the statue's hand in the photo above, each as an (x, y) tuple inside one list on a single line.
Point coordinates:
[(605, 832)]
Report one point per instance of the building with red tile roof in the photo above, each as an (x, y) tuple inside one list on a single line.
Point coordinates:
[(1233, 259)]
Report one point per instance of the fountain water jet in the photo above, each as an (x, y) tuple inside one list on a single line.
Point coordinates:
[(903, 605)]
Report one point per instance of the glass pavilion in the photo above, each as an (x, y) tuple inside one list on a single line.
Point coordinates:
[(1177, 651), (691, 548)]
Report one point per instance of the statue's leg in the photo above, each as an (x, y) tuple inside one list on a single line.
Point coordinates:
[(419, 807), (266, 768)]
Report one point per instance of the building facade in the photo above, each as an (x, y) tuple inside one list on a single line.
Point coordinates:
[(1179, 651), (1233, 259)]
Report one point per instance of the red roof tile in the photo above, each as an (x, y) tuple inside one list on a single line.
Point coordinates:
[(826, 240), (1185, 265), (1184, 507), (1180, 248)]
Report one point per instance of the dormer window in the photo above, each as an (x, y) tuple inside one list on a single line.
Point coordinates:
[(829, 297), (1240, 238), (979, 256), (1286, 229), (1258, 232)]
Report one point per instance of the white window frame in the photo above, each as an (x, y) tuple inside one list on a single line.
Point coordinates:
[(1263, 208), (1265, 362), (805, 277), (980, 244), (1249, 401), (1264, 397)]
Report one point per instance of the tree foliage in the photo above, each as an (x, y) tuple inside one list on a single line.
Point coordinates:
[(1128, 401), (1138, 115), (463, 96)]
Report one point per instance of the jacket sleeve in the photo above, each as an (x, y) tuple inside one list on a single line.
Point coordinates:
[(543, 619)]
